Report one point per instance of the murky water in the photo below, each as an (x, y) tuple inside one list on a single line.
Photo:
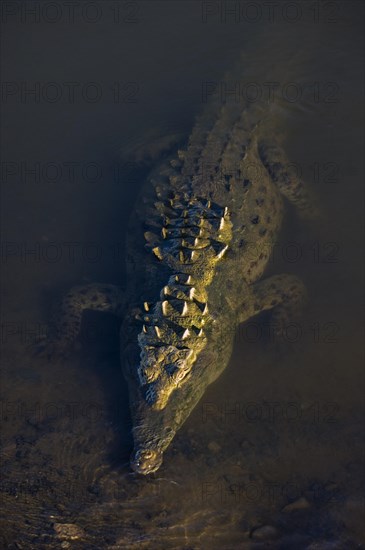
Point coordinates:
[(272, 456)]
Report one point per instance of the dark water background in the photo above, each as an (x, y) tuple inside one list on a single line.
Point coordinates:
[(280, 425)]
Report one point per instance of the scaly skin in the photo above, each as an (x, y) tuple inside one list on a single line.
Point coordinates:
[(198, 242)]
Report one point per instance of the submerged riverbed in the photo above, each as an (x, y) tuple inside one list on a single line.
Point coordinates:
[(272, 456)]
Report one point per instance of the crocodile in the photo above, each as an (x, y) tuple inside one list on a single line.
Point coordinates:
[(198, 243)]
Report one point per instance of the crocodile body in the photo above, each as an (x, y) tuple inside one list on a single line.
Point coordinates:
[(198, 243)]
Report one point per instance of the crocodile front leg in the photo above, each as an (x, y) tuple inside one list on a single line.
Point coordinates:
[(66, 321), (285, 294), (285, 175)]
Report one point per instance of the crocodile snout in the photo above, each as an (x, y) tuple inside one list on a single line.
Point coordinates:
[(146, 461)]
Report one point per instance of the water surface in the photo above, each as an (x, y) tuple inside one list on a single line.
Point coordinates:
[(283, 424)]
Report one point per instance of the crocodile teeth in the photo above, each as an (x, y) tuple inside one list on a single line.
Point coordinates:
[(196, 231), (222, 224), (157, 252), (200, 333), (200, 243), (146, 306), (191, 293), (157, 331), (164, 232), (144, 328), (186, 334), (193, 242), (164, 307), (184, 279), (179, 331), (198, 295), (190, 255), (203, 306), (167, 291), (180, 306), (219, 248), (220, 254)]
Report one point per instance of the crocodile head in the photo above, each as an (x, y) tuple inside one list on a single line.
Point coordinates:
[(154, 429), (156, 418), (176, 342)]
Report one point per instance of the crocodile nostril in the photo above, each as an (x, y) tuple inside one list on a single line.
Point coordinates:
[(146, 461)]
